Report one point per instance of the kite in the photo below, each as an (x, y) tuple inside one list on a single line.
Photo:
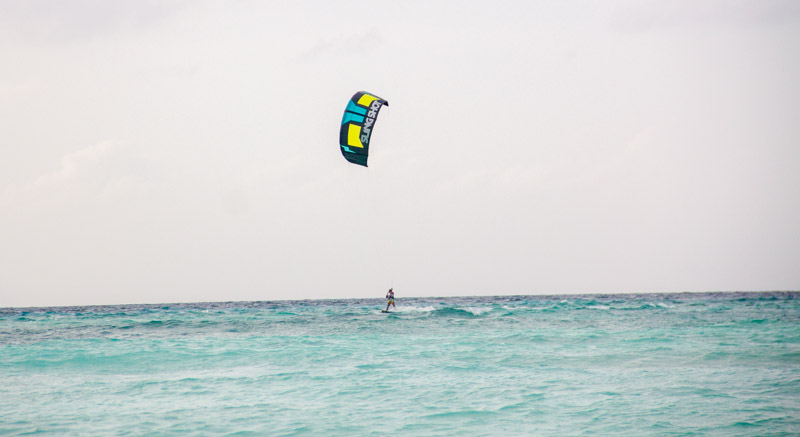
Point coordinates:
[(357, 125)]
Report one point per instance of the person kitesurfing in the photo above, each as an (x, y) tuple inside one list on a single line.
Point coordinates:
[(390, 300)]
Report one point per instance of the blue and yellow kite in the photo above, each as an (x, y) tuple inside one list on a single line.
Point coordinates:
[(357, 124)]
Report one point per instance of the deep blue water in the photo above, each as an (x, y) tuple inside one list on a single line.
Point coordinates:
[(668, 364)]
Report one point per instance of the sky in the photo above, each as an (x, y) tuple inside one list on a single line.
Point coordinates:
[(187, 151)]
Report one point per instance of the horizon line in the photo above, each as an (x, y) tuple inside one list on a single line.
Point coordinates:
[(541, 296)]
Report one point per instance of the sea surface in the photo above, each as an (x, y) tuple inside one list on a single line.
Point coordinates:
[(653, 364)]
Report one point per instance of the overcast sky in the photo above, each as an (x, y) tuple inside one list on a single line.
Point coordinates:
[(158, 151)]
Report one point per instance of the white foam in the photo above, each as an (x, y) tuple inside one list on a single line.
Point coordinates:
[(477, 310), (412, 309), (537, 308)]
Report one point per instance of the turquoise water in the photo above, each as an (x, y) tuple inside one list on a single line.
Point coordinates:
[(706, 364)]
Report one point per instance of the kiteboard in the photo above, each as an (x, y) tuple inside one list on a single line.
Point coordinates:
[(384, 311)]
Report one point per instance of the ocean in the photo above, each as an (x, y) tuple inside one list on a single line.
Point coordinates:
[(649, 364)]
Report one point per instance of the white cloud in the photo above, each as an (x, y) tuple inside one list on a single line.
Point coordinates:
[(640, 16), (100, 172), (73, 163), (348, 45), (81, 20)]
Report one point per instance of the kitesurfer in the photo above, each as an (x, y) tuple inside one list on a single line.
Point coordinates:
[(390, 300)]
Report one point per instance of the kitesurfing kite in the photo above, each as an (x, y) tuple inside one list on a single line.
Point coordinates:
[(357, 124)]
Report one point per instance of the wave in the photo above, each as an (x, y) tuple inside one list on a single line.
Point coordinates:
[(447, 311), (458, 309), (413, 309), (459, 312)]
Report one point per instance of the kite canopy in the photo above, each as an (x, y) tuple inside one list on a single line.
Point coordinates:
[(357, 124)]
